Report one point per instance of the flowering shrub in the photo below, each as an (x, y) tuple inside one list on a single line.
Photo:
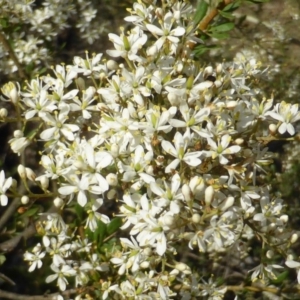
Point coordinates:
[(158, 160)]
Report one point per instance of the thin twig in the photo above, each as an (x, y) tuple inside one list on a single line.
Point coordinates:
[(12, 55), (13, 296), (9, 212), (11, 244)]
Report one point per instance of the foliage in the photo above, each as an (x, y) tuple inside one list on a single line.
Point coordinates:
[(148, 175)]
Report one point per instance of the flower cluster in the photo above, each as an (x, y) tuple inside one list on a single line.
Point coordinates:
[(173, 149)]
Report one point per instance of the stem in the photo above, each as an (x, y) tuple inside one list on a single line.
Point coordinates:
[(12, 55)]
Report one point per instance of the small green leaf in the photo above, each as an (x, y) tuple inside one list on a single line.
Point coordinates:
[(200, 12), (114, 225), (220, 35), (232, 6), (100, 233), (201, 49), (226, 15), (281, 277), (31, 212), (223, 27)]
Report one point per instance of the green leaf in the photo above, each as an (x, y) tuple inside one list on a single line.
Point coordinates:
[(232, 6), (281, 277), (220, 35), (79, 212), (100, 233), (226, 15), (201, 49), (4, 22), (200, 12), (31, 212), (114, 225), (223, 27)]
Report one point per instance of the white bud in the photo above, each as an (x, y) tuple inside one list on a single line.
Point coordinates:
[(145, 264), (239, 141), (22, 171), (147, 251), (219, 68), (196, 218), (3, 113), (284, 218), (247, 153), (226, 203), (294, 238), (111, 194), (218, 83), (30, 174), (186, 191), (174, 99), (272, 128), (270, 254), (112, 179), (18, 134), (44, 182), (181, 267), (112, 65), (58, 202), (209, 195), (25, 200), (114, 150), (168, 220), (208, 70), (231, 104), (197, 186), (179, 67)]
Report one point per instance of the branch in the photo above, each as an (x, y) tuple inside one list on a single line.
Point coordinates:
[(257, 288), (9, 212), (13, 296), (11, 244), (212, 14)]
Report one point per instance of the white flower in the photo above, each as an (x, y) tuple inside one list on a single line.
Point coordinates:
[(128, 46), (5, 184), (80, 186), (61, 274), (221, 149), (58, 126), (35, 258), (94, 215), (179, 152), (287, 114), (166, 32)]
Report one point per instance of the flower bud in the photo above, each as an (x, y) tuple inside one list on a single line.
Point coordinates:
[(112, 179), (209, 195), (196, 218), (168, 220), (226, 203), (284, 218), (11, 92), (270, 254), (294, 238), (186, 191), (208, 70), (272, 128), (181, 267), (3, 113), (197, 186), (58, 202), (22, 171), (239, 141), (112, 65), (30, 174), (218, 83), (114, 150), (18, 133), (145, 264), (44, 182), (25, 200), (219, 68), (111, 194)]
